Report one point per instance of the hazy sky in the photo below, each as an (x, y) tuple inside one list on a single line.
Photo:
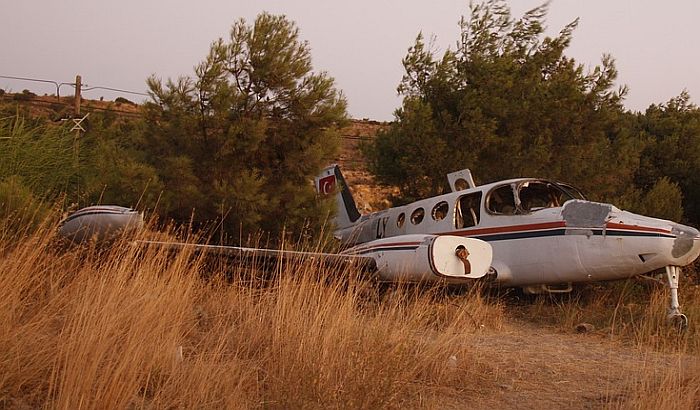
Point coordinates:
[(360, 43)]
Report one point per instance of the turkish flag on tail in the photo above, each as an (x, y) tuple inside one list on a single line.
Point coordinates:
[(326, 185)]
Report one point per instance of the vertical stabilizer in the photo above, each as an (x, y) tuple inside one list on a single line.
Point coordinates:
[(331, 182)]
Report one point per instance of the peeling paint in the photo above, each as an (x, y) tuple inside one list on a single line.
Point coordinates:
[(685, 237), (585, 214)]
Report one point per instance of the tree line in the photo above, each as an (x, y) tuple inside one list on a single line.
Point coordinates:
[(507, 102), (235, 146)]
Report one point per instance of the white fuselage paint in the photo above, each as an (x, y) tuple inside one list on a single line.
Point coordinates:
[(543, 247)]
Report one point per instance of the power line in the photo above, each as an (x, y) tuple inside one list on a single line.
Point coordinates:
[(85, 87), (115, 89), (39, 80), (28, 79)]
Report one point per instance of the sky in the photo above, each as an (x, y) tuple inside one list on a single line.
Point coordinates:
[(360, 43)]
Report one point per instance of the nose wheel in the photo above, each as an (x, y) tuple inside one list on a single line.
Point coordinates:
[(678, 320), (675, 317)]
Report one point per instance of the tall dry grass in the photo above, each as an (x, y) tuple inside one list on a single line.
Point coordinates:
[(139, 327), (678, 388)]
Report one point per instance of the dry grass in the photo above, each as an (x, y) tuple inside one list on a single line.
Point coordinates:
[(138, 327), (678, 389), (133, 327), (632, 312)]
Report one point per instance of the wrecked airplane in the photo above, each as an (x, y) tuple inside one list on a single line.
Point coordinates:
[(539, 235), (545, 235)]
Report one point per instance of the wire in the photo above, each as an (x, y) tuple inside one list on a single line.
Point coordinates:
[(85, 87), (114, 89), (30, 79)]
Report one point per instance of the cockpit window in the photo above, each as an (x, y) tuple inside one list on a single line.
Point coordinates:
[(501, 201), (536, 195), (572, 190)]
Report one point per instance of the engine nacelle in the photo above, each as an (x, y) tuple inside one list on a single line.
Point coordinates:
[(100, 222), (423, 258)]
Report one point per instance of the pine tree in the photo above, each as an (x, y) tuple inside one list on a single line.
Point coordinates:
[(672, 152), (241, 141), (506, 103)]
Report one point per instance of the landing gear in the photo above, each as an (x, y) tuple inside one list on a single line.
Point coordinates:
[(675, 317)]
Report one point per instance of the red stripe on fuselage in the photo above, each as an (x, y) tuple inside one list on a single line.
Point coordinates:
[(549, 225), (508, 229), (383, 245), (517, 228), (625, 227)]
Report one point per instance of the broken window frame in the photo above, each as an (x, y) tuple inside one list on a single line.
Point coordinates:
[(551, 201), (567, 190), (572, 190), (474, 212), (489, 196)]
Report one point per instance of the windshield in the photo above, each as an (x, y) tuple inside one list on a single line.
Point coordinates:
[(572, 190), (536, 195)]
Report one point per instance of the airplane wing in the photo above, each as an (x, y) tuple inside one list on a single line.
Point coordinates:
[(406, 258), (365, 263)]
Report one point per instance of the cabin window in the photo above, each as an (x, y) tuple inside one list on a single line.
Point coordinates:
[(468, 209), (536, 195), (440, 211), (400, 220), (417, 216), (501, 201)]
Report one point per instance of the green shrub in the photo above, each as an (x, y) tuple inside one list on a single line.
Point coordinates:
[(25, 95), (122, 100), (19, 208), (664, 200)]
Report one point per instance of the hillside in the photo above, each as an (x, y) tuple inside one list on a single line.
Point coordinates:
[(367, 193), (49, 106)]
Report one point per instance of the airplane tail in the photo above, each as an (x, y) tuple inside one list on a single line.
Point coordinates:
[(331, 182)]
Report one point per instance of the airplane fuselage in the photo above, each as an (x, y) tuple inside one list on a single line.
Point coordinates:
[(541, 232)]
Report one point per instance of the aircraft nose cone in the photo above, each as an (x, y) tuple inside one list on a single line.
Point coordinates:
[(686, 246)]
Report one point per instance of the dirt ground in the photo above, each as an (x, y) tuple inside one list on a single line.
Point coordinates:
[(537, 367)]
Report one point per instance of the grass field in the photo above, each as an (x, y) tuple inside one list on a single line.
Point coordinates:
[(136, 327)]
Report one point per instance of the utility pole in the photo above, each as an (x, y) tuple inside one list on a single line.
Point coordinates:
[(77, 95), (78, 128)]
